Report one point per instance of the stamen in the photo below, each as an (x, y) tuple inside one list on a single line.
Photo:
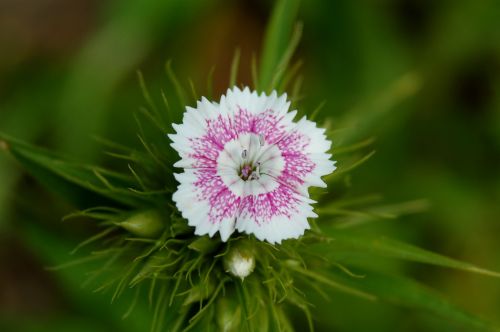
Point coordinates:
[(256, 174), (261, 140)]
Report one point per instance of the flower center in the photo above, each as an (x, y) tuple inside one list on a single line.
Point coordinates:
[(250, 172), (249, 165)]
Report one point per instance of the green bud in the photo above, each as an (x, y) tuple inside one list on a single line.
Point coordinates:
[(228, 315), (240, 260), (148, 223), (4, 145), (153, 265), (204, 245), (199, 292), (292, 263)]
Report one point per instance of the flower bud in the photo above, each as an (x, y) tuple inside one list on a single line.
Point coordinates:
[(146, 223), (199, 292), (204, 245), (4, 145), (239, 261), (228, 315), (154, 264)]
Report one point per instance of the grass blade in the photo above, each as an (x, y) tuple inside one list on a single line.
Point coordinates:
[(276, 38), (383, 246), (405, 292)]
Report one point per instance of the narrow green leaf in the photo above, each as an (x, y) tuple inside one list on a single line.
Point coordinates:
[(77, 183), (355, 216), (210, 83), (147, 95), (71, 276), (167, 109), (234, 68), (364, 118), (354, 147), (290, 75), (316, 111), (408, 293), (350, 167), (276, 38), (280, 71), (255, 76), (193, 90), (383, 246), (94, 238), (295, 93), (179, 91), (328, 281)]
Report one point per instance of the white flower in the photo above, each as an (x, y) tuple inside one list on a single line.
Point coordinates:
[(248, 166)]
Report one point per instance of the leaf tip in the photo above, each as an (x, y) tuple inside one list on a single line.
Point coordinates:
[(486, 272), (4, 145)]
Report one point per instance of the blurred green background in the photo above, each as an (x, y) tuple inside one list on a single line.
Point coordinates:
[(421, 76)]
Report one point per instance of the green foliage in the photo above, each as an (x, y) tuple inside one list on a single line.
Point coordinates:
[(145, 252), (72, 180), (154, 252), (344, 241), (277, 49), (408, 293)]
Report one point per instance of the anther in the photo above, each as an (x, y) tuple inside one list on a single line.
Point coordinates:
[(261, 140), (256, 173)]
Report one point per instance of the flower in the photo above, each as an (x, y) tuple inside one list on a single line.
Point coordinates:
[(248, 166)]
